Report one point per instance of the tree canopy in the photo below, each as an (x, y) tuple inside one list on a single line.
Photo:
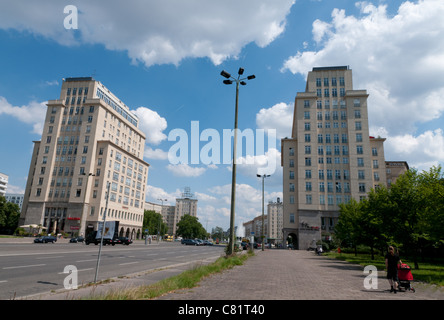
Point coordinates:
[(9, 216), (409, 215), (190, 227)]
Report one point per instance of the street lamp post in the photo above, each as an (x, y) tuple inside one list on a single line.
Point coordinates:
[(161, 209), (263, 219), (239, 80)]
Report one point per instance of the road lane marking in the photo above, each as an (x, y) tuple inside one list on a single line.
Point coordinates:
[(29, 266), (123, 264), (49, 258), (86, 260)]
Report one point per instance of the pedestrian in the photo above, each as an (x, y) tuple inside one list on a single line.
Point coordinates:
[(391, 264)]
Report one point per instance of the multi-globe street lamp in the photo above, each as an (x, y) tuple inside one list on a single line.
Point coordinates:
[(238, 80)]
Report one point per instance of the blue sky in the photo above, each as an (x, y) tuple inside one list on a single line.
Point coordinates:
[(163, 59)]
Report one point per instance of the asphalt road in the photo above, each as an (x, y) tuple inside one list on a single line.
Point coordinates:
[(28, 268)]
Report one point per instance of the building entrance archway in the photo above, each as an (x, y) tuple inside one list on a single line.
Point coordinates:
[(292, 239)]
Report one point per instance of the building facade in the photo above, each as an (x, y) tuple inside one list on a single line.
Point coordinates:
[(273, 224), (16, 198), (90, 143), (187, 204), (3, 183), (330, 157)]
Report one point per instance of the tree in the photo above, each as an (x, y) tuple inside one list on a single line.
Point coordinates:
[(374, 219), (190, 227), (152, 220), (9, 216), (347, 228), (218, 232), (409, 207)]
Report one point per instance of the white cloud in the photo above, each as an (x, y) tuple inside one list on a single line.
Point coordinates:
[(152, 124), (279, 117), (156, 154), (33, 114), (184, 170), (423, 151), (156, 32)]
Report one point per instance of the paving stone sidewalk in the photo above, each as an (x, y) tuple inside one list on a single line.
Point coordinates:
[(298, 275)]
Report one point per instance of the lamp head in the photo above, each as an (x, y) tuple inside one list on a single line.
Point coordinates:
[(251, 77), (225, 74), (241, 71)]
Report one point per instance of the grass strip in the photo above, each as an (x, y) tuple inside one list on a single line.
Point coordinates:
[(187, 279), (427, 272)]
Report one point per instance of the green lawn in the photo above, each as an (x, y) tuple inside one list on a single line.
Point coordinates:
[(427, 272)]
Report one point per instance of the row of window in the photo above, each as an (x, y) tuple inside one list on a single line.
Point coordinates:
[(307, 125), (334, 103), (334, 82), (76, 91)]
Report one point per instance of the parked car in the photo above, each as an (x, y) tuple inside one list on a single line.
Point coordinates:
[(208, 243), (245, 245), (189, 242), (76, 239), (199, 242), (45, 239), (123, 240)]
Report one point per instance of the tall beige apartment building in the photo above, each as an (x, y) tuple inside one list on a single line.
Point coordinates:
[(187, 204), (330, 157), (90, 140)]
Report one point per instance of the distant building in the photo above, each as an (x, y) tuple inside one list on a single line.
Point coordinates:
[(171, 215), (273, 224), (394, 169), (16, 198), (3, 184), (187, 204)]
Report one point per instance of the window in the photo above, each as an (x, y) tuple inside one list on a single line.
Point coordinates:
[(306, 103), (374, 151), (359, 150), (358, 125), (308, 199), (362, 187), (38, 192), (291, 217)]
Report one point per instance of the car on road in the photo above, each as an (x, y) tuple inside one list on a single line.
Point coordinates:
[(123, 240), (189, 242), (76, 239), (245, 245), (45, 239)]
